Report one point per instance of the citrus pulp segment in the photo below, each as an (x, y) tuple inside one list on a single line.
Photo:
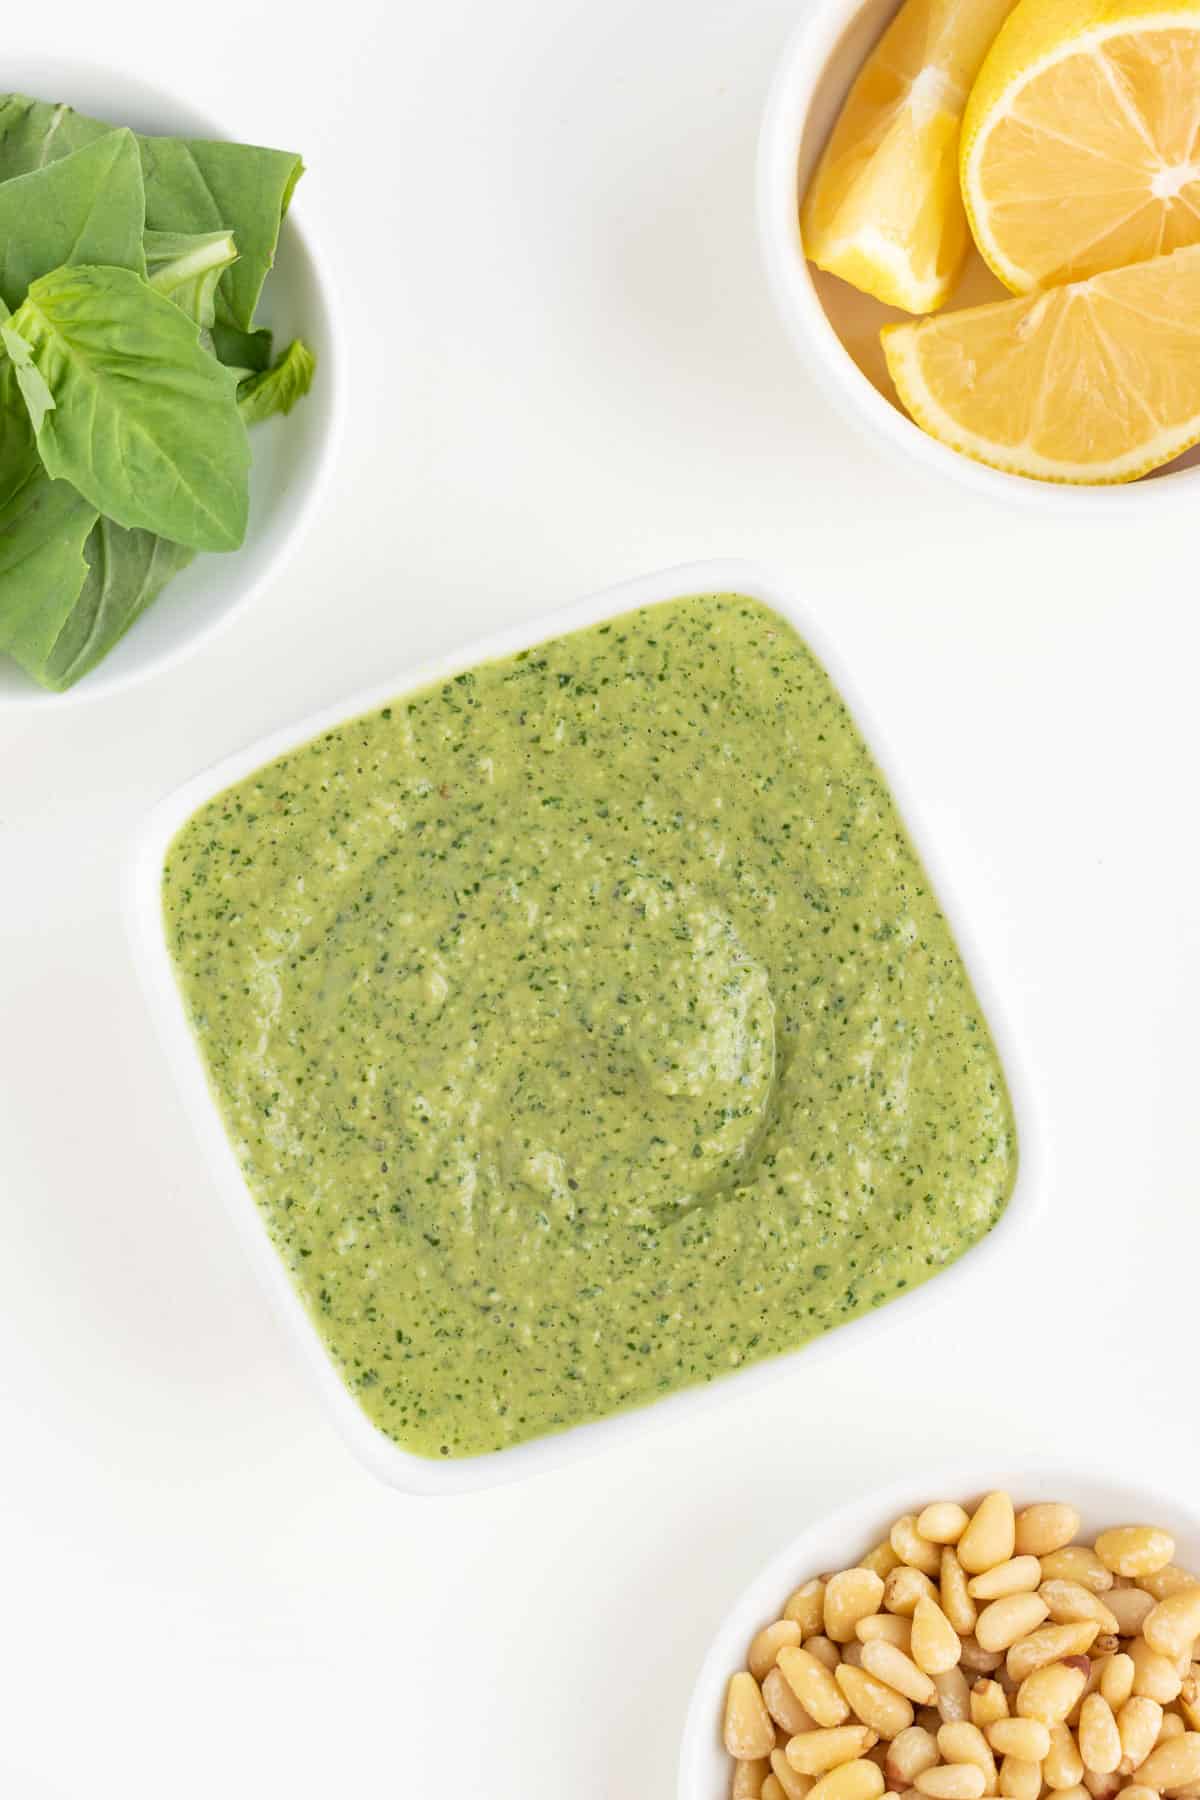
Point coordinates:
[(883, 209), (1097, 381), (1081, 139)]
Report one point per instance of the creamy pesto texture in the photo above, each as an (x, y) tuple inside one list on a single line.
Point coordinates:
[(586, 1026)]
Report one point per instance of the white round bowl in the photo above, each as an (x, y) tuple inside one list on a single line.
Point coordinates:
[(292, 455), (840, 1538), (818, 66)]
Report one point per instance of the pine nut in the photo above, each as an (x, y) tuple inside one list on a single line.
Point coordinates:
[(881, 1560), (885, 1628), (807, 1607), (1005, 1622), (1174, 1764), (1168, 1581), (978, 1661), (749, 1731), (1045, 1527), (1020, 1780), (990, 1537), (1069, 1601), (963, 1742), (852, 1654), (904, 1587), (989, 1704), (952, 1781), (860, 1780), (1062, 1765), (1101, 1787), (876, 1704), (767, 1645), (957, 1603), (813, 1686), (935, 1643), (1172, 1727), (910, 1752), (1022, 1575), (793, 1785), (914, 1550), (1155, 1676), (1050, 1693), (954, 1696), (1072, 1793), (748, 1778), (944, 1522), (1129, 1607), (1051, 1644), (816, 1752), (1174, 1625), (783, 1705), (772, 1789), (1116, 1680), (1135, 1550), (1077, 1563), (1099, 1739), (1028, 1739), (824, 1649), (1137, 1793), (892, 1666), (1139, 1723), (853, 1595)]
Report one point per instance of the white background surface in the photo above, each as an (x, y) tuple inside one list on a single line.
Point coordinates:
[(565, 371)]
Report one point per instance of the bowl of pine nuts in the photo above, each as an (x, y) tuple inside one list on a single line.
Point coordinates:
[(958, 1639)]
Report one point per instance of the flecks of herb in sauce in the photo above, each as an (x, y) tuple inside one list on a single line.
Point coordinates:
[(586, 1026)]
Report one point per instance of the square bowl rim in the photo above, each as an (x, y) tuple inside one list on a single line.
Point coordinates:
[(859, 1520), (405, 1469)]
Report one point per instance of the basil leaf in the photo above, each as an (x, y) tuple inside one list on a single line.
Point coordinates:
[(43, 527), (126, 571), (88, 208), (37, 396), (192, 185), (34, 133), (145, 423), (279, 388), (186, 266), (247, 351)]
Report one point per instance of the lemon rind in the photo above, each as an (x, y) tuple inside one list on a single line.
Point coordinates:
[(905, 368), (1016, 279)]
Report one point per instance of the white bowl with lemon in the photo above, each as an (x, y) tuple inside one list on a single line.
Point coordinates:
[(1004, 204)]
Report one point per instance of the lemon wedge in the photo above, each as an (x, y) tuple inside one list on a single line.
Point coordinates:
[(1096, 381), (883, 209), (1081, 140)]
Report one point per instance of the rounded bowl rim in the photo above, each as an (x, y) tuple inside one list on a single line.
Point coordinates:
[(69, 75)]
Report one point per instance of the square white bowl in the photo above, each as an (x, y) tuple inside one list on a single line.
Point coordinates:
[(838, 1539), (401, 1468)]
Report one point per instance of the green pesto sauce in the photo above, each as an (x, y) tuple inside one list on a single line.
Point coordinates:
[(587, 1028)]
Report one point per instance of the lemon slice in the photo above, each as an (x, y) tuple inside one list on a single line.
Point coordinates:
[(883, 209), (1097, 381), (1081, 141)]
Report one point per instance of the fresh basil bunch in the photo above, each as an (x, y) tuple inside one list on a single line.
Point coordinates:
[(130, 366)]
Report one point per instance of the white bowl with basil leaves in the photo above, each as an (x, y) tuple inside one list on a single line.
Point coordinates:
[(169, 389)]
